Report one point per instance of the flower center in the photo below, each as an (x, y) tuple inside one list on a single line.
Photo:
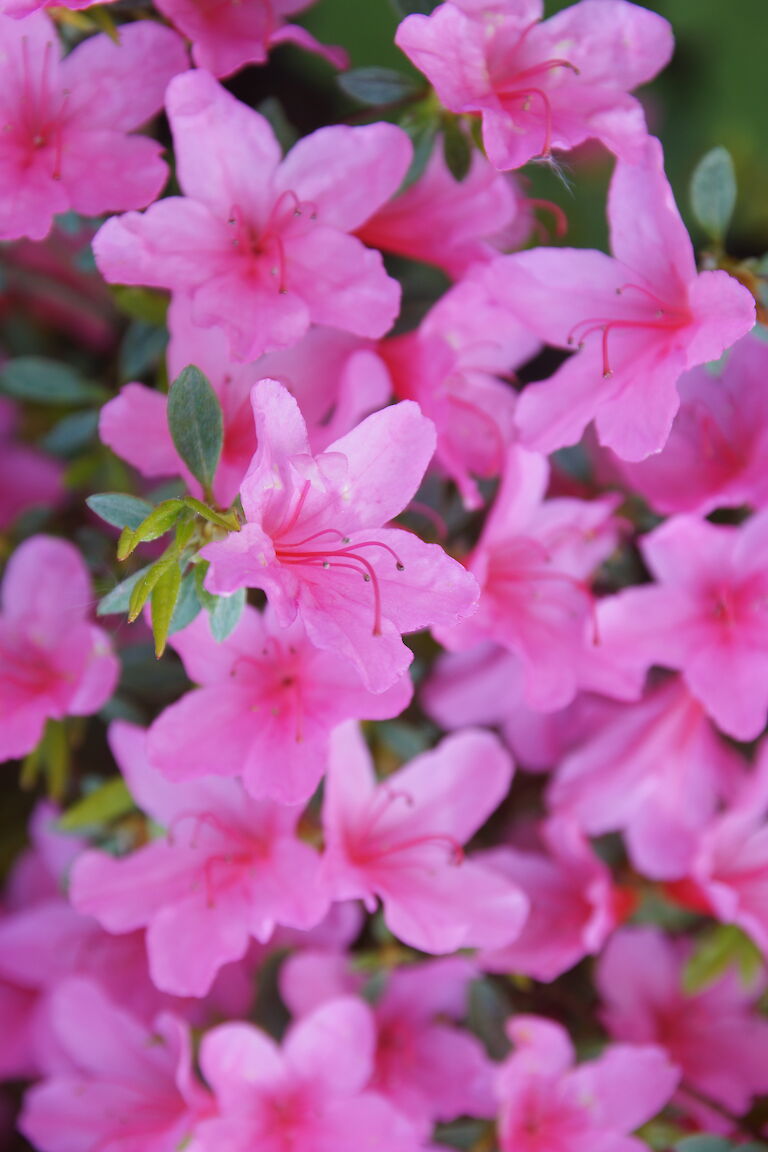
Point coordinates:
[(663, 318), (38, 123), (264, 246)]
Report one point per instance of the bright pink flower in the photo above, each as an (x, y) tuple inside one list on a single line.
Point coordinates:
[(226, 37), (262, 245), (540, 86), (402, 840), (268, 703), (65, 143), (128, 1086), (315, 544), (655, 770), (533, 563), (229, 869), (574, 905), (451, 366), (427, 1068), (639, 319), (547, 1104), (714, 1036), (706, 616), (53, 663), (450, 223), (310, 1095), (27, 476), (716, 452)]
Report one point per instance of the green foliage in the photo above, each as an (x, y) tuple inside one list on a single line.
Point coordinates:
[(196, 424), (725, 946), (457, 148), (713, 193), (165, 593), (119, 509), (377, 86), (225, 614), (40, 381), (107, 802)]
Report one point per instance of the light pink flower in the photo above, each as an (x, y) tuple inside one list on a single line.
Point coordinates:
[(547, 1103), (542, 86), (53, 663), (427, 1068), (261, 243), (27, 476), (127, 1086), (314, 540), (268, 703), (402, 841), (65, 144), (638, 319), (229, 869), (309, 1095), (714, 1036)]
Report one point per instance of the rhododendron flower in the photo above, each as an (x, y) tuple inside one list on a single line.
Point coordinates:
[(261, 245), (547, 1103), (706, 616), (656, 770), (313, 539), (65, 143), (427, 1068), (574, 905), (268, 702), (226, 37), (27, 477), (533, 561), (450, 366), (542, 86), (309, 1095), (715, 1035), (229, 869), (127, 1087), (53, 663), (637, 319), (402, 840)]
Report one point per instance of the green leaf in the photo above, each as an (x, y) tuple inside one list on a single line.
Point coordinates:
[(703, 1142), (159, 521), (142, 346), (206, 598), (196, 424), (376, 86), (226, 520), (165, 594), (225, 614), (72, 434), (143, 588), (422, 130), (723, 947), (713, 192), (187, 606), (273, 111), (457, 149), (41, 381), (142, 303), (118, 599), (107, 802), (119, 509)]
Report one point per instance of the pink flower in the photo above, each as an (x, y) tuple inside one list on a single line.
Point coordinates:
[(715, 455), (127, 1086), (53, 663), (532, 562), (639, 319), (314, 540), (402, 841), (540, 86), (451, 367), (545, 1103), (65, 144), (573, 903), (229, 869), (656, 770), (226, 37), (427, 1068), (707, 616), (309, 1095), (261, 245), (268, 703), (28, 478), (714, 1036)]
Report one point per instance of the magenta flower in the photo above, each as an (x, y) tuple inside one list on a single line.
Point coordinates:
[(124, 1086), (542, 86), (309, 1095), (53, 663), (228, 869), (268, 703), (402, 841), (638, 319), (714, 1036), (707, 616), (65, 144), (545, 1103), (430, 1070), (314, 540), (262, 245)]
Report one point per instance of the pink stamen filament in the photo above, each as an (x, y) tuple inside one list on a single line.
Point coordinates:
[(513, 91), (663, 321), (554, 210), (267, 240)]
